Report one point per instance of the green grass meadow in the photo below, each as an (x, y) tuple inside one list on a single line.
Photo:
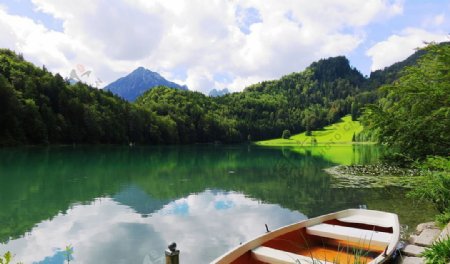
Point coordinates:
[(340, 133)]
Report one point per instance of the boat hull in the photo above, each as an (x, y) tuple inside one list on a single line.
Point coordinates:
[(349, 236)]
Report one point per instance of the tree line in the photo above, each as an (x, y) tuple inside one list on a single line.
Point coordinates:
[(38, 107)]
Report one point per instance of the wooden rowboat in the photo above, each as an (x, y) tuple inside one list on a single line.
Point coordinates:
[(349, 236)]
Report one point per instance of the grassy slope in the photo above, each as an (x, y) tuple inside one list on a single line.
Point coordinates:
[(338, 133)]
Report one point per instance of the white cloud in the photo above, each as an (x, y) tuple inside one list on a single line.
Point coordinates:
[(434, 21), (264, 40), (37, 43), (439, 19), (399, 46)]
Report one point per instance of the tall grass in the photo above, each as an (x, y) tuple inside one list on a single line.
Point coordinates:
[(357, 254), (439, 252)]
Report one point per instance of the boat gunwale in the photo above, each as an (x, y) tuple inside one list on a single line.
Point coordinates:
[(240, 250)]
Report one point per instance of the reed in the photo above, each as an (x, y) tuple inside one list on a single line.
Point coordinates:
[(357, 254), (439, 252)]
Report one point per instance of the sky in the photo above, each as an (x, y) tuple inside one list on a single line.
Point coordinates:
[(217, 43)]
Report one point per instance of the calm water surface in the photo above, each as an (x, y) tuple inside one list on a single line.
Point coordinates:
[(125, 205)]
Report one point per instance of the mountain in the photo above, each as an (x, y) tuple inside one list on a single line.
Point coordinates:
[(391, 73), (87, 76), (139, 81), (216, 93), (303, 101), (41, 108), (140, 201)]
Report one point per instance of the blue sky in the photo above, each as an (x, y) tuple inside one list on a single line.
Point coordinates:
[(26, 8), (222, 44)]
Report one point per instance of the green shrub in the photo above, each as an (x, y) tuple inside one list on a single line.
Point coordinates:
[(443, 218), (286, 134), (439, 252), (436, 186), (397, 159)]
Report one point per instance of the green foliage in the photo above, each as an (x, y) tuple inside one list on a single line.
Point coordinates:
[(439, 252), (436, 187), (414, 115), (189, 116), (286, 134), (397, 159), (436, 163), (308, 132), (443, 219)]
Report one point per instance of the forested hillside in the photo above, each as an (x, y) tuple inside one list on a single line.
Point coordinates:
[(322, 94), (389, 74), (38, 107), (190, 116)]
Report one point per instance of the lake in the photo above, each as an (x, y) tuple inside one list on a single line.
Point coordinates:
[(115, 204)]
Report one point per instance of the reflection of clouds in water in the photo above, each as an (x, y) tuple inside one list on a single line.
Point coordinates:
[(58, 258), (222, 205), (204, 226), (178, 207), (211, 232)]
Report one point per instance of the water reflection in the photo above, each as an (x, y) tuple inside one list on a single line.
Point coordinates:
[(204, 226), (125, 205)]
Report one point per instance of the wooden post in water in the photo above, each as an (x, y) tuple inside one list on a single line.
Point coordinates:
[(172, 254)]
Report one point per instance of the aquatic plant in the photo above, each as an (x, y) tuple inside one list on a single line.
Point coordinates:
[(7, 258), (68, 252)]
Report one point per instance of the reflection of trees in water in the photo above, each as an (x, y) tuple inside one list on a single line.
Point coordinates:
[(36, 183), (367, 154)]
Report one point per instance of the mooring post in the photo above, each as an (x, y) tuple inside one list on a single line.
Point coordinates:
[(172, 254)]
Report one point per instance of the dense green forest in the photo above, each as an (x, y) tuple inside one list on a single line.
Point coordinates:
[(413, 115), (38, 107), (316, 97), (189, 116)]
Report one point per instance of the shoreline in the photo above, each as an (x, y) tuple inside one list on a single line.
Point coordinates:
[(423, 237)]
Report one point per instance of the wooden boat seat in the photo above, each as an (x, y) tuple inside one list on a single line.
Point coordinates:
[(367, 219), (351, 234), (271, 255)]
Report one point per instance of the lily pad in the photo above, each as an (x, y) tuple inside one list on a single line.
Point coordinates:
[(342, 178)]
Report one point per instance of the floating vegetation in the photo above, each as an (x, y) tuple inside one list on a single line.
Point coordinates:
[(374, 176)]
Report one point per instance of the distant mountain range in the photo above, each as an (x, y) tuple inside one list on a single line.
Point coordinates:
[(87, 76), (137, 82), (216, 93)]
